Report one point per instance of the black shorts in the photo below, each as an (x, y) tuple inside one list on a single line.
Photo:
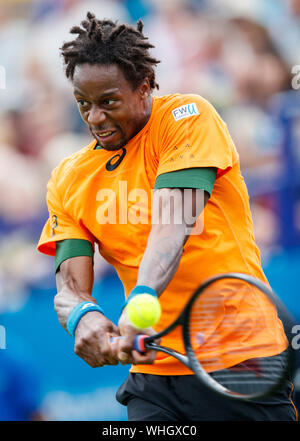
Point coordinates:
[(184, 398)]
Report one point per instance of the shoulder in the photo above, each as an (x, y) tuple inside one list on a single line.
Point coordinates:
[(175, 113), (178, 106)]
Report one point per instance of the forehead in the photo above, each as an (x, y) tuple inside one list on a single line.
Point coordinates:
[(95, 78)]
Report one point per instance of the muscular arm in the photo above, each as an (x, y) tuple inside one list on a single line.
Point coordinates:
[(75, 280), (163, 253), (166, 240)]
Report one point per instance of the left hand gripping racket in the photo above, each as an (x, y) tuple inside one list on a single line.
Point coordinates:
[(211, 321)]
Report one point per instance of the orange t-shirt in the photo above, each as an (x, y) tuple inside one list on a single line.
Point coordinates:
[(113, 209)]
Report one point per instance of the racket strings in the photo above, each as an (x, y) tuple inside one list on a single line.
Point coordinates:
[(262, 375), (229, 321)]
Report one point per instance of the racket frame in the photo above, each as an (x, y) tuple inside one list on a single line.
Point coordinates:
[(190, 360)]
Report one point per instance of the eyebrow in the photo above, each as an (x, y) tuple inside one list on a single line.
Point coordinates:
[(103, 95)]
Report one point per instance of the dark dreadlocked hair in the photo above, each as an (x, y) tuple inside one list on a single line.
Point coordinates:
[(106, 42)]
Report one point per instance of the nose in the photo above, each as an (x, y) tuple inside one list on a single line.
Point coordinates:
[(96, 116)]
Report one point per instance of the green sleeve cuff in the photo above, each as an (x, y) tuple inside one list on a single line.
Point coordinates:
[(202, 178), (68, 248)]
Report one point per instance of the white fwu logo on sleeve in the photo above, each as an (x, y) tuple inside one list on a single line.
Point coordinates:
[(185, 111)]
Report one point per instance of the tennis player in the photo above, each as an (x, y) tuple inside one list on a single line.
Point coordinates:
[(178, 146)]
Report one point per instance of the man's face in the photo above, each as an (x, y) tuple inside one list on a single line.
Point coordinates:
[(114, 112)]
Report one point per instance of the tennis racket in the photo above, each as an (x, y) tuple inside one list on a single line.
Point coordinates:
[(206, 346)]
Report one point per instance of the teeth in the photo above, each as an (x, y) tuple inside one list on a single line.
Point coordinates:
[(106, 134)]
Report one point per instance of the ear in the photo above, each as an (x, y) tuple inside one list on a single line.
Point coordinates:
[(145, 89)]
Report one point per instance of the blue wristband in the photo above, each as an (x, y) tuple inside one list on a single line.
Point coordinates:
[(140, 289), (77, 312)]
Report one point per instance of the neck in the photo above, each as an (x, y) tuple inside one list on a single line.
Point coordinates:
[(146, 114)]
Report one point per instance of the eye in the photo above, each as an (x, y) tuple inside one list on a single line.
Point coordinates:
[(82, 103), (108, 102)]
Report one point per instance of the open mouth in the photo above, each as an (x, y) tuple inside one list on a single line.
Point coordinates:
[(105, 136)]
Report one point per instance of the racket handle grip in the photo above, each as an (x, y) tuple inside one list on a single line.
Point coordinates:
[(138, 344)]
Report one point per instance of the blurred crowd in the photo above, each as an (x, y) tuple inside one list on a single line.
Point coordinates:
[(241, 56), (238, 55)]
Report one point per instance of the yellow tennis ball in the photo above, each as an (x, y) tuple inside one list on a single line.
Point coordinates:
[(143, 311)]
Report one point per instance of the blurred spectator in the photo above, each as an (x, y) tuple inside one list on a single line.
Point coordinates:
[(285, 31), (20, 189), (264, 71)]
